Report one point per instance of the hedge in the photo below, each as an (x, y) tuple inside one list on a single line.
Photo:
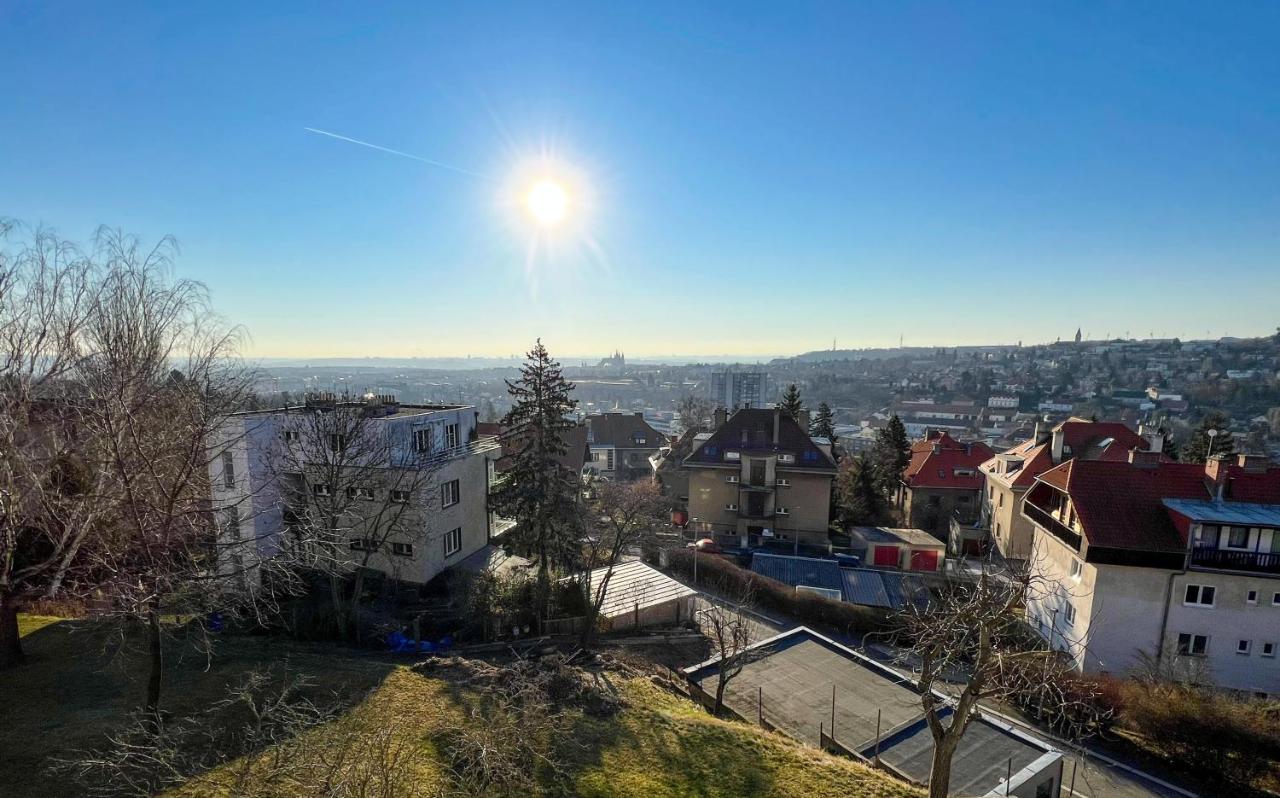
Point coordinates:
[(724, 576)]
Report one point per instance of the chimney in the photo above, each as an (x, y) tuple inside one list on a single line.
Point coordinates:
[(1141, 459), (1043, 429), (1253, 463), (720, 416), (1058, 438), (777, 422), (1153, 436), (1215, 470), (803, 419)]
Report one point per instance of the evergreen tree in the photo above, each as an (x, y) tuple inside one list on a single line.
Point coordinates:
[(891, 453), (861, 501), (791, 404), (538, 492), (1200, 446), (823, 425)]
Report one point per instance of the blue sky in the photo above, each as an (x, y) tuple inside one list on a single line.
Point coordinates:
[(747, 179)]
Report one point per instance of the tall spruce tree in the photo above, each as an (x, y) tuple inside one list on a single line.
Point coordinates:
[(791, 403), (1202, 444), (891, 453), (537, 491), (824, 423), (858, 492)]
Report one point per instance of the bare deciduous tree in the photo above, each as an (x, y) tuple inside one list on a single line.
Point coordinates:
[(353, 486), (975, 630), (728, 625), (622, 514)]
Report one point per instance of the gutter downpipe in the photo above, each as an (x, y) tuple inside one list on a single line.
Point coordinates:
[(1168, 599)]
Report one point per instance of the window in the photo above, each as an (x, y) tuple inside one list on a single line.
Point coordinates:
[(402, 549), (338, 443), (731, 507), (290, 436), (1251, 597), (449, 493), (453, 542), (364, 494), (1268, 649), (1069, 613), (450, 436), (400, 496), (364, 544), (1193, 645), (1244, 646), (1275, 599), (228, 470), (784, 483), (1000, 503), (786, 458), (783, 511), (731, 478), (638, 438), (321, 489), (733, 455), (422, 439), (1238, 537), (1077, 568), (1199, 596)]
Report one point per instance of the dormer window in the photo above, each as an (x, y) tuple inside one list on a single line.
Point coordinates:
[(733, 455), (786, 458)]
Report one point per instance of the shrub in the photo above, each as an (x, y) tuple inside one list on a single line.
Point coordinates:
[(722, 574), (1204, 731)]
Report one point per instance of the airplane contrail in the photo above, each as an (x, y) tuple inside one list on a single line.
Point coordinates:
[(459, 170)]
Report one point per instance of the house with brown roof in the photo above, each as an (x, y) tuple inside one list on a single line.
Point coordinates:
[(621, 445), (1009, 474), (759, 479), (941, 481), (1176, 562)]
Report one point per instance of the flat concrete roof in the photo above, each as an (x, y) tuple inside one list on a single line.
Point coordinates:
[(900, 535), (795, 672)]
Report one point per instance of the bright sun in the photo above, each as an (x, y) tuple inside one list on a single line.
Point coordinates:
[(547, 202)]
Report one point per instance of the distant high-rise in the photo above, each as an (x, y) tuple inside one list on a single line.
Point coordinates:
[(734, 389)]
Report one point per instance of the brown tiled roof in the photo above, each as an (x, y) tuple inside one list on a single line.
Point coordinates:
[(750, 430), (935, 458), (1120, 505)]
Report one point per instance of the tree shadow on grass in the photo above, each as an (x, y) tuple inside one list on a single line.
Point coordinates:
[(82, 683)]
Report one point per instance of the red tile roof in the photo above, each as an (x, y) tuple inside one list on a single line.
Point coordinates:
[(935, 459), (1120, 505), (1084, 439)]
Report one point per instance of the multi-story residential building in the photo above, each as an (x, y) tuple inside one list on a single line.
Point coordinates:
[(1011, 473), (621, 445), (940, 482), (759, 478), (1150, 560), (735, 389), (412, 483)]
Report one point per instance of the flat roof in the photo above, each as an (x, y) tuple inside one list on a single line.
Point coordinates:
[(1227, 512), (902, 535), (793, 675)]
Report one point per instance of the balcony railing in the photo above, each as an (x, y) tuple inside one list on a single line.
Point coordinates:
[(1058, 529), (1228, 560), (746, 511)]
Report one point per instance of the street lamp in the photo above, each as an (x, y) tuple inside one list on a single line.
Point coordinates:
[(1213, 433)]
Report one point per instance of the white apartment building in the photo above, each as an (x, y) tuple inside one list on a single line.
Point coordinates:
[(1175, 561), (415, 487)]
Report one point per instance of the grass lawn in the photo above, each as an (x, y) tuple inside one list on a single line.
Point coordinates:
[(659, 745)]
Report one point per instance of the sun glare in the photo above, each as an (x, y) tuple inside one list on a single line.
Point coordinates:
[(548, 202)]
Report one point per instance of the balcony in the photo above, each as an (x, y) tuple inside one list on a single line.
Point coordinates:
[(755, 513), (1044, 520), (1227, 560)]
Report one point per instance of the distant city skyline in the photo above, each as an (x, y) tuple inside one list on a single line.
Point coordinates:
[(722, 178)]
